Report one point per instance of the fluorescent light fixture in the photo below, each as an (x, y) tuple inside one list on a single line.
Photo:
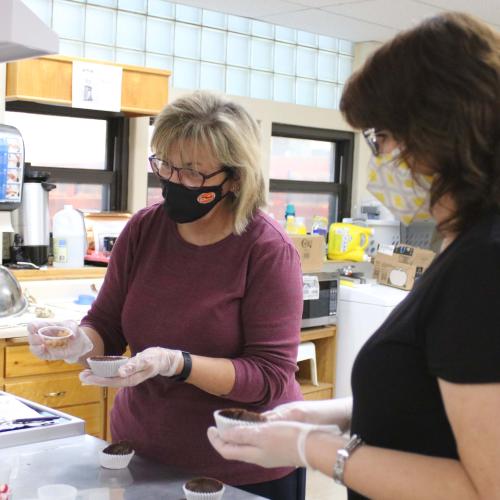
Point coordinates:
[(22, 34)]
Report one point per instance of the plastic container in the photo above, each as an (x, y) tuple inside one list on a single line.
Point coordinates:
[(55, 335), (300, 225), (320, 225), (385, 232), (348, 242), (289, 211), (290, 226), (69, 237), (57, 492)]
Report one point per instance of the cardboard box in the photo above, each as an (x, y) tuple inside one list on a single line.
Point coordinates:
[(311, 250), (401, 268)]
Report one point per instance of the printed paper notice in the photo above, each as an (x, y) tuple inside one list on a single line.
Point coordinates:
[(97, 86), (310, 287)]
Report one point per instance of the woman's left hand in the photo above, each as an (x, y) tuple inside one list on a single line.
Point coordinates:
[(146, 364), (273, 444)]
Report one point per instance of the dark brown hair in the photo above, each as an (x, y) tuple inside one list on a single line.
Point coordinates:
[(436, 88)]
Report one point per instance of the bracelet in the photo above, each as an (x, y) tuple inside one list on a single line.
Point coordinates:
[(343, 454), (186, 369)]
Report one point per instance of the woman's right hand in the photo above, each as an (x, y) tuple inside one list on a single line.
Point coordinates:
[(324, 412), (76, 346)]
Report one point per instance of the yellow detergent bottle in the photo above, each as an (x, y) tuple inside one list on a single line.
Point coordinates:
[(348, 242)]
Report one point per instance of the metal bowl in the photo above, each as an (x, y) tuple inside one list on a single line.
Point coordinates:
[(12, 300)]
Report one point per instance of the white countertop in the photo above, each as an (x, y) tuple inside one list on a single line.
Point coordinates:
[(58, 295)]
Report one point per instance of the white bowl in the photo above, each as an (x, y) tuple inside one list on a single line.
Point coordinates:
[(57, 492), (198, 495), (115, 461), (224, 422)]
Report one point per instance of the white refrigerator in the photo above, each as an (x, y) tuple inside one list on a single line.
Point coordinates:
[(361, 309)]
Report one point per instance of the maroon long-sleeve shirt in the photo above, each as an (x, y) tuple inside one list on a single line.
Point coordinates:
[(240, 298)]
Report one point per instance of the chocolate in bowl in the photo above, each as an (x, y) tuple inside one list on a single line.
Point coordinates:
[(203, 485), (55, 335), (117, 455), (106, 366), (242, 414), (119, 448)]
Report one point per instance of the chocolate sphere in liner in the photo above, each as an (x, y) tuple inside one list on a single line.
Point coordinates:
[(203, 488)]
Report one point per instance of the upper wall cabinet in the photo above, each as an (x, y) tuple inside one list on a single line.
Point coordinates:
[(48, 80)]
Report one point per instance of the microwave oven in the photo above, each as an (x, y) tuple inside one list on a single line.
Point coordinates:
[(321, 309)]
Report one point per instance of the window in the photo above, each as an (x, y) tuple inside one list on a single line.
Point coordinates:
[(311, 169), (154, 188), (85, 153)]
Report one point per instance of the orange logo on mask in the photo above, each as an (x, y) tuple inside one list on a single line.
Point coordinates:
[(205, 198)]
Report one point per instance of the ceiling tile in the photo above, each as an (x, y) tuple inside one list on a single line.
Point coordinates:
[(327, 23), (256, 9), (323, 3), (399, 15), (488, 10), (356, 20)]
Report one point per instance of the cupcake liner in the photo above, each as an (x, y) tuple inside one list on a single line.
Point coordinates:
[(225, 422), (114, 461), (197, 495), (106, 369)]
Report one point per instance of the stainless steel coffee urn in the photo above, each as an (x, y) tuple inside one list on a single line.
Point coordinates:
[(32, 221)]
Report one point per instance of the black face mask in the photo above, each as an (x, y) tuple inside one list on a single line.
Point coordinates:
[(187, 205)]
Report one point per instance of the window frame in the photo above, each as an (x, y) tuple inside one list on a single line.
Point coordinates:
[(115, 173), (341, 186), (153, 181)]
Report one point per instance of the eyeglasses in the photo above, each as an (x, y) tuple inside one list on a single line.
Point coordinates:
[(188, 177), (372, 136)]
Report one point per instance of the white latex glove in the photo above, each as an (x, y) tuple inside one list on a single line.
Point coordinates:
[(323, 412), (273, 444), (146, 364), (78, 344)]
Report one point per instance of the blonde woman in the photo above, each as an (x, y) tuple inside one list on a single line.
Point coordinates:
[(207, 292)]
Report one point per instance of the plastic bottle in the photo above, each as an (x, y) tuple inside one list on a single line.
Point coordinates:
[(290, 226), (69, 237), (300, 225), (320, 228), (348, 242), (320, 225), (289, 211)]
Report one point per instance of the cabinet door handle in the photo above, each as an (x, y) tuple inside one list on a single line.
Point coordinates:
[(55, 394)]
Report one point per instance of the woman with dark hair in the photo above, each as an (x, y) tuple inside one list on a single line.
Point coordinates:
[(426, 386)]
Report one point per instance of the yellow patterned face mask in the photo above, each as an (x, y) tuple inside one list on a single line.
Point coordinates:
[(391, 182)]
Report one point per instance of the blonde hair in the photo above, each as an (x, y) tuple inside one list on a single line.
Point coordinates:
[(231, 135)]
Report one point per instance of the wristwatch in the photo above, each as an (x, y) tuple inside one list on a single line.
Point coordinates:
[(342, 455), (186, 370)]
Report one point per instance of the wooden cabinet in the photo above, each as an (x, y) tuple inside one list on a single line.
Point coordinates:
[(51, 383), (48, 80), (324, 340)]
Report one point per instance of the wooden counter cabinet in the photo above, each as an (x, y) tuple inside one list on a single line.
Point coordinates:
[(51, 383), (324, 339)]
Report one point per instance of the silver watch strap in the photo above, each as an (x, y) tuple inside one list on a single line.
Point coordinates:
[(342, 455)]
